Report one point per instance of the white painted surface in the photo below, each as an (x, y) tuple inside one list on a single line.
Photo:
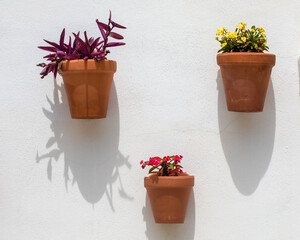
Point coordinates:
[(80, 179)]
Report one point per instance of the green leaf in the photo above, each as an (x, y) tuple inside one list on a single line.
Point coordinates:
[(151, 169), (171, 166)]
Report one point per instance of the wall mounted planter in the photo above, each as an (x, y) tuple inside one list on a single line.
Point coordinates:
[(246, 78), (88, 84), (169, 196)]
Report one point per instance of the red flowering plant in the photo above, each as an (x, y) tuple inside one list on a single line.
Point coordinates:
[(166, 166)]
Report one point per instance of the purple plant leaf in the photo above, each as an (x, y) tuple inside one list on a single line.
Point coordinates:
[(99, 43), (109, 19), (101, 30), (54, 45), (115, 44), (117, 25), (116, 35), (94, 54), (81, 45), (75, 40), (71, 57), (91, 40), (50, 49), (105, 26), (61, 54), (69, 46), (49, 56), (42, 65), (44, 70), (62, 37), (50, 67), (86, 39), (94, 44)]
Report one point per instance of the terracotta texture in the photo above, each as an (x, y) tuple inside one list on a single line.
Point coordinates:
[(88, 84), (246, 78), (169, 196)]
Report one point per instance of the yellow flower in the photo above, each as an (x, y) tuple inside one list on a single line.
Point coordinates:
[(217, 38), (239, 27), (223, 45), (231, 34), (243, 24), (252, 30), (239, 41), (264, 35), (221, 31), (261, 29), (244, 39)]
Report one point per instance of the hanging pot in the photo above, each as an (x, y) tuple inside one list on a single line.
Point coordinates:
[(88, 84), (246, 78), (169, 196)]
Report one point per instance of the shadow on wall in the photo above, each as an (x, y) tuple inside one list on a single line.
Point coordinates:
[(156, 231), (90, 148), (247, 140), (299, 72)]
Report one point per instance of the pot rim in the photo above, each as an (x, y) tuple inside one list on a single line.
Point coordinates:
[(88, 60), (154, 181), (246, 58), (246, 53), (76, 65)]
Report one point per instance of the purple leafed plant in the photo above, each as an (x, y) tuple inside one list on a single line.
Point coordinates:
[(78, 48)]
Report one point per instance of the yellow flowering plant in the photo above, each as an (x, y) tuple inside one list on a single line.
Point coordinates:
[(242, 39)]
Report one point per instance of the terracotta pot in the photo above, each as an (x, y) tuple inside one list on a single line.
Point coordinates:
[(246, 78), (88, 84), (169, 196)]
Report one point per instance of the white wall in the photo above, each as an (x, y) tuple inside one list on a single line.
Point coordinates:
[(80, 179)]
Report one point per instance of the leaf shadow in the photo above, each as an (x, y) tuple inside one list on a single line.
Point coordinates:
[(89, 149)]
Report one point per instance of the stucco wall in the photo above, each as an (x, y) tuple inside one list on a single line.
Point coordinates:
[(80, 179)]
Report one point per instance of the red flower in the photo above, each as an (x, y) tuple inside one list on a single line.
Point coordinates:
[(166, 165)]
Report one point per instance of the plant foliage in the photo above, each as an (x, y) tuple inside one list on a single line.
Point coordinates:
[(166, 166), (242, 39), (80, 48)]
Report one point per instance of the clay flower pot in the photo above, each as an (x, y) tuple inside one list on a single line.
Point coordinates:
[(246, 78), (169, 196), (88, 84)]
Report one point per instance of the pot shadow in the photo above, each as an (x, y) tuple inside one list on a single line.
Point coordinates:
[(156, 231), (89, 148), (247, 140)]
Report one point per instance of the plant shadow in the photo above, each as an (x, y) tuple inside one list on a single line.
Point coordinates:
[(89, 148), (247, 140), (170, 231)]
